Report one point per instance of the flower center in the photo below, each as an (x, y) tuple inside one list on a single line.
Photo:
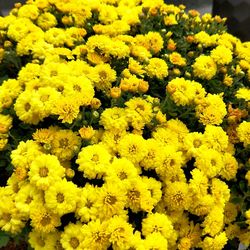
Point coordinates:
[(45, 220), (60, 198), (27, 107), (110, 199), (43, 172), (123, 176), (95, 158), (74, 242), (6, 217)]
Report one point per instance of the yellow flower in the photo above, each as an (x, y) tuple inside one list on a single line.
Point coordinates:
[(230, 167), (72, 237), (154, 42), (138, 196), (105, 75), (213, 222), (198, 183), (28, 11), (228, 80), (27, 196), (86, 133), (55, 36), (216, 243), (110, 201), (170, 20), (11, 220), (93, 161), (45, 170), (204, 67), (29, 108), (5, 123), (132, 147), (46, 21), (171, 163), (243, 132), (111, 139), (211, 110), (230, 212), (222, 55), (96, 235), (159, 223), (243, 93), (247, 177), (44, 220), (209, 161), (157, 68), (25, 154), (192, 143), (122, 170), (176, 59), (154, 240), (138, 107), (67, 109), (114, 118), (121, 232), (154, 157), (20, 28), (44, 241), (216, 138), (61, 197), (182, 91), (65, 144), (177, 196), (220, 192), (154, 187), (85, 209)]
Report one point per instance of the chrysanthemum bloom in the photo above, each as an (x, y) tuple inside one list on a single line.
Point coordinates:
[(159, 223), (177, 196), (114, 118), (93, 161), (243, 132), (61, 197), (222, 55), (65, 144), (73, 237), (110, 201), (45, 170), (157, 68), (121, 232), (96, 235), (204, 67), (44, 241), (85, 209), (131, 147), (44, 220)]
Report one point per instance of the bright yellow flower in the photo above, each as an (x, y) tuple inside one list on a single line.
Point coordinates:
[(44, 220), (45, 170), (121, 232), (114, 119), (61, 197), (204, 67), (132, 147), (157, 68), (177, 196), (65, 144), (243, 132), (72, 236), (93, 161)]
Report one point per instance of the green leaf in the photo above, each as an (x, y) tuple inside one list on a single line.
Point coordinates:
[(236, 200), (4, 239)]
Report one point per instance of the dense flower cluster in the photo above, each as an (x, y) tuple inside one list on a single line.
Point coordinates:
[(123, 125)]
